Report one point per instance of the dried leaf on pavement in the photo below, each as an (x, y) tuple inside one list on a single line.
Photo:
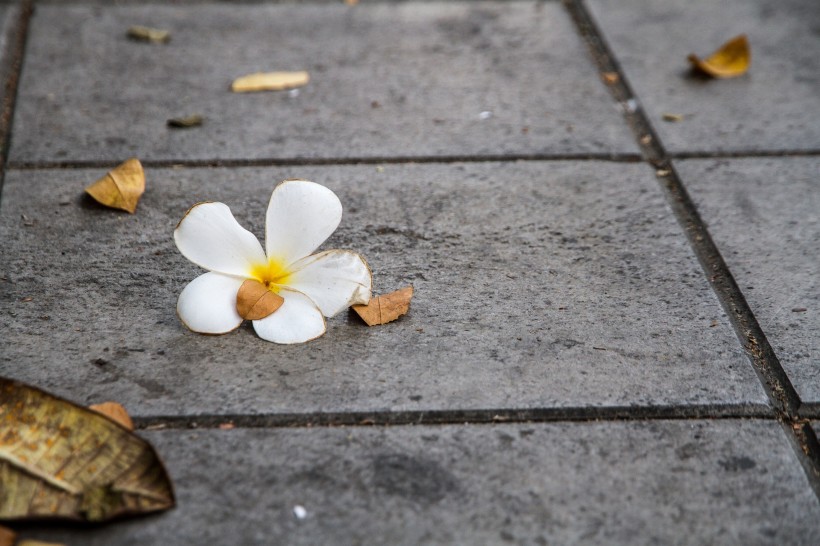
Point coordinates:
[(385, 308), (114, 411), (121, 188), (254, 301), (270, 81), (61, 460), (147, 34), (194, 120), (730, 60)]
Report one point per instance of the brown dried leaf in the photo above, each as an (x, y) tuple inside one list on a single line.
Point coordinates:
[(194, 120), (610, 77), (7, 536), (385, 308), (673, 118), (147, 34), (114, 411), (730, 60), (270, 81), (121, 188), (254, 301), (60, 460)]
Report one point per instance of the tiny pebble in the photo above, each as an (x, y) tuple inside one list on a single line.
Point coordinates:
[(299, 511), (293, 93), (485, 115)]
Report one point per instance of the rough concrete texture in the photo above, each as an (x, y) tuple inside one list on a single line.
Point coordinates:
[(538, 284), (376, 89), (764, 215), (718, 482), (772, 107)]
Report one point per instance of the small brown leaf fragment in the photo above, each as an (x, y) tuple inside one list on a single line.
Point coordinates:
[(121, 188), (114, 411), (610, 77), (673, 118), (147, 34), (7, 536), (194, 120), (29, 542), (385, 308), (730, 60), (270, 81), (226, 426), (254, 301)]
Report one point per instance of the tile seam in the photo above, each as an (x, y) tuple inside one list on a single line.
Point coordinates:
[(773, 378), (11, 69), (454, 417)]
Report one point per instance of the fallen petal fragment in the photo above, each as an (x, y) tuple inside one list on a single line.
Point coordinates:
[(254, 301), (730, 60), (270, 81), (121, 188), (385, 308)]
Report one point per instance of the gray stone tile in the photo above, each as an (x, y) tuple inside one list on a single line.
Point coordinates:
[(772, 107), (764, 215), (718, 482), (387, 79), (537, 284)]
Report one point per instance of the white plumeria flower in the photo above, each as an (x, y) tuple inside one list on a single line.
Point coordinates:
[(301, 216)]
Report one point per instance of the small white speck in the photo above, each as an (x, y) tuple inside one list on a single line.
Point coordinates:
[(631, 106), (293, 93), (486, 114), (300, 512)]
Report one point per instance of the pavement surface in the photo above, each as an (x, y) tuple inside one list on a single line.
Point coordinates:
[(614, 337)]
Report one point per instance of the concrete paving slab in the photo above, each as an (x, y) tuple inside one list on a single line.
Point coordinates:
[(713, 482), (772, 107), (764, 215), (408, 79), (538, 284)]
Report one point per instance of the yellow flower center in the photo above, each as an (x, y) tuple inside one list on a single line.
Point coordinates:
[(273, 274)]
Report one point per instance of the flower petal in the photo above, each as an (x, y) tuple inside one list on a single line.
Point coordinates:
[(301, 216), (297, 321), (333, 279), (208, 304), (211, 237)]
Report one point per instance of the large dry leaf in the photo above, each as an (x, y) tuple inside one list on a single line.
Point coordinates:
[(730, 60), (60, 460), (121, 188), (385, 308), (270, 81), (254, 301)]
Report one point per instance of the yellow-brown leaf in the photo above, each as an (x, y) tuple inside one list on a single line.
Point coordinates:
[(121, 188), (254, 301), (270, 81), (114, 411), (61, 460), (730, 60), (385, 308)]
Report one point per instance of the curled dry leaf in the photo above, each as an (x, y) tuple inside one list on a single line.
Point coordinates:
[(385, 308), (114, 411), (147, 34), (194, 120), (121, 188), (254, 301), (60, 460), (270, 81), (730, 60)]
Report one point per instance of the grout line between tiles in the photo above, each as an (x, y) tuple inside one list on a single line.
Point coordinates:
[(10, 70), (773, 378), (451, 417)]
